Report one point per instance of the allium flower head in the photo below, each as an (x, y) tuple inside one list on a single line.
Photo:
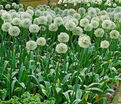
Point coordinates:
[(25, 23), (6, 17), (104, 44), (6, 26), (33, 28), (114, 34), (70, 26), (63, 37), (77, 31), (84, 22), (53, 27), (61, 48), (58, 21), (16, 21), (41, 41), (99, 32), (84, 41), (106, 24), (31, 45), (14, 31), (42, 20)]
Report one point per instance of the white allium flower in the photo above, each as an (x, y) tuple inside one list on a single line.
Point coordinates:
[(13, 4), (38, 13), (105, 17), (16, 21), (75, 21), (35, 21), (95, 19), (41, 41), (14, 31), (31, 12), (21, 10), (81, 10), (7, 6), (14, 15), (25, 23), (104, 44), (31, 45), (6, 17), (117, 17), (71, 12), (5, 27), (77, 31), (63, 37), (114, 34), (61, 48), (26, 15), (88, 27), (77, 16), (106, 24), (53, 27), (42, 20), (33, 28), (117, 9), (58, 21), (92, 12), (49, 19), (84, 22), (94, 23), (99, 32), (43, 28), (70, 26), (84, 41), (1, 7)]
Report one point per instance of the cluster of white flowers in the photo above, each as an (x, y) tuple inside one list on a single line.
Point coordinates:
[(89, 2), (76, 23)]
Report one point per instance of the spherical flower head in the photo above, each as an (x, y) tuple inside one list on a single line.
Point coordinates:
[(14, 4), (14, 15), (94, 24), (61, 48), (114, 34), (58, 21), (84, 41), (104, 44), (41, 41), (81, 11), (1, 7), (88, 27), (117, 17), (49, 19), (25, 23), (77, 31), (7, 6), (31, 45), (53, 27), (43, 28), (63, 37), (92, 12), (33, 28), (42, 20), (38, 13), (14, 31), (99, 32), (6, 17), (117, 9), (84, 22), (16, 21), (71, 12), (26, 15), (75, 21), (77, 16), (106, 24), (31, 12), (95, 19), (6, 26), (70, 26), (105, 17)]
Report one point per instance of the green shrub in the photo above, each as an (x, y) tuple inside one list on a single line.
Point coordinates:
[(28, 98)]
